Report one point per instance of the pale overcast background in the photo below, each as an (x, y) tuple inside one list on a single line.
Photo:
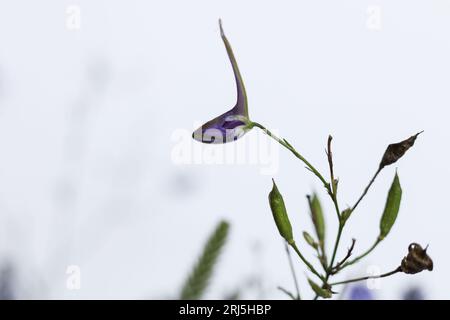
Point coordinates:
[(90, 114)]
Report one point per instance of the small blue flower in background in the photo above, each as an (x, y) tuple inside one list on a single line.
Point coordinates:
[(7, 288), (360, 292), (234, 123), (413, 293)]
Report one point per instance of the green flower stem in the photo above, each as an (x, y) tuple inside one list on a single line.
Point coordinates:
[(309, 265), (294, 276), (336, 245), (367, 188), (329, 271), (336, 205), (348, 263), (288, 146), (368, 277), (341, 225)]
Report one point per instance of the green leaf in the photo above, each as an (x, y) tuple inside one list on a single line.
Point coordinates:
[(317, 218), (324, 293), (310, 240), (280, 214), (391, 209), (197, 281)]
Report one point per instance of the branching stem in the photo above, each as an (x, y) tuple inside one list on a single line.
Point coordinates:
[(348, 263), (384, 275), (331, 188)]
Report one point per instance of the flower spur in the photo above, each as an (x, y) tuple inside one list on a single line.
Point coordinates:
[(234, 123)]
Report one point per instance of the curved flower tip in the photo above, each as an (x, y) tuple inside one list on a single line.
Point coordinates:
[(234, 123)]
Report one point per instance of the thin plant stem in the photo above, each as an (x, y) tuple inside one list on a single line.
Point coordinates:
[(348, 263), (336, 245), (367, 188), (309, 265), (369, 277), (294, 276), (288, 146), (339, 265)]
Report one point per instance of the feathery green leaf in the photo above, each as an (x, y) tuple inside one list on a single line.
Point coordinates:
[(197, 282)]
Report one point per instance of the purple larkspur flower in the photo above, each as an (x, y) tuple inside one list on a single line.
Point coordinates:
[(234, 123)]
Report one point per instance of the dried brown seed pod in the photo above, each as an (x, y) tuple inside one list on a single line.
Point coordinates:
[(417, 260), (396, 150)]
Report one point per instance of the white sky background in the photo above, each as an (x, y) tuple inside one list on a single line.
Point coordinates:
[(87, 117)]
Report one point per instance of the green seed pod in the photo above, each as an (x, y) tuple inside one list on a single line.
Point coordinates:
[(280, 214), (391, 209), (317, 218), (310, 240), (321, 292)]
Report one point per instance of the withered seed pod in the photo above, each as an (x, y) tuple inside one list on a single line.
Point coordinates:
[(417, 260), (396, 150)]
